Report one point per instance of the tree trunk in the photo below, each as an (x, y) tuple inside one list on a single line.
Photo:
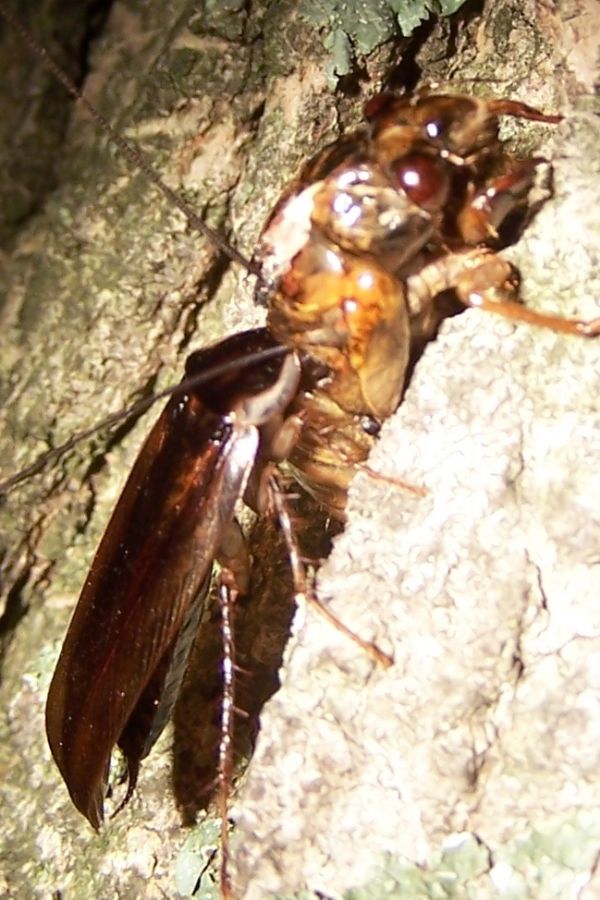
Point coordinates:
[(470, 766)]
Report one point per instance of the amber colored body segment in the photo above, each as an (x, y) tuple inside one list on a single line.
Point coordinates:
[(361, 260)]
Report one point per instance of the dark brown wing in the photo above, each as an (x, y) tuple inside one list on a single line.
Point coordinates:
[(139, 596)]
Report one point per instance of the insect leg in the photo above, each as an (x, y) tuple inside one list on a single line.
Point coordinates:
[(303, 586), (227, 596), (488, 208), (234, 558), (506, 107), (482, 279)]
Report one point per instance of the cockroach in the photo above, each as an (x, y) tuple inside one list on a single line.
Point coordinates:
[(351, 266)]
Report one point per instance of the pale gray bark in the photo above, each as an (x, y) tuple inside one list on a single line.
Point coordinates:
[(116, 287), (471, 766)]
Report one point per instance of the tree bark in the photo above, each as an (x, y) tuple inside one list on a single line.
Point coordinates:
[(476, 751)]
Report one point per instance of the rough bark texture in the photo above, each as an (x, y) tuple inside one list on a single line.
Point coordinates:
[(470, 767)]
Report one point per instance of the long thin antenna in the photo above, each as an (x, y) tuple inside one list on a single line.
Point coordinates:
[(136, 409), (128, 150)]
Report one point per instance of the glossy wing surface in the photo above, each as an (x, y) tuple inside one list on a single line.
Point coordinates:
[(150, 567)]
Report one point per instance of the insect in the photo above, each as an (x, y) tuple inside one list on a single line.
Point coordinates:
[(428, 249)]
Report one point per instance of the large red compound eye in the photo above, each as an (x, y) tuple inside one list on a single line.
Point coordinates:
[(424, 181)]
